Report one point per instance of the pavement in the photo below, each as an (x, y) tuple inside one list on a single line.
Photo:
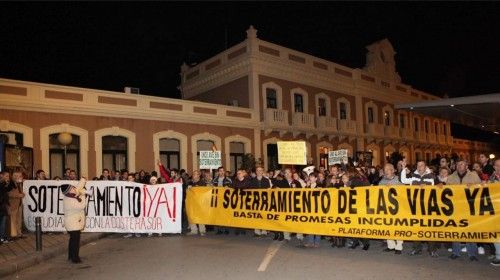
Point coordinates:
[(21, 253), (246, 257)]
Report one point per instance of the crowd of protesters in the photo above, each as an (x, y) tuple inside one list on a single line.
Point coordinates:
[(440, 172)]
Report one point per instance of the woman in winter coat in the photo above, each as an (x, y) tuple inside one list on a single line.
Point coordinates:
[(16, 205), (74, 216)]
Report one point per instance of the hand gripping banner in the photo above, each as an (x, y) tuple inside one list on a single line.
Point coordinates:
[(114, 206), (428, 213)]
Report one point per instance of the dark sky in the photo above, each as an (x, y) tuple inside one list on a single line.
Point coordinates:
[(451, 48)]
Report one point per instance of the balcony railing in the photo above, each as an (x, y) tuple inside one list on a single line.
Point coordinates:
[(276, 118), (327, 124), (302, 120), (391, 131), (374, 129), (347, 127), (431, 137)]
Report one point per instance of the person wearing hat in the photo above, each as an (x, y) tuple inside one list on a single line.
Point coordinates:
[(74, 216)]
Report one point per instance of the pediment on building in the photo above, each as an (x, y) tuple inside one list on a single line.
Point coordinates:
[(380, 61)]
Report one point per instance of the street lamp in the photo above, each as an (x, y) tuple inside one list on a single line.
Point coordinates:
[(65, 139)]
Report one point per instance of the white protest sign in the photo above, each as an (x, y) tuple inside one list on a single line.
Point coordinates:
[(210, 160), (115, 206), (337, 157)]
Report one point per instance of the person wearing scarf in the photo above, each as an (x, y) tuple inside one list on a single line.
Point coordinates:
[(74, 216)]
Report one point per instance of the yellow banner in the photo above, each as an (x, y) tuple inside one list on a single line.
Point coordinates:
[(292, 152), (450, 213)]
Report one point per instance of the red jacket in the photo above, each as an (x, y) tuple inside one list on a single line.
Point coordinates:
[(166, 175)]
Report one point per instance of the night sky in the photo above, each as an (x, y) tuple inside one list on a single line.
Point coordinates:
[(442, 48)]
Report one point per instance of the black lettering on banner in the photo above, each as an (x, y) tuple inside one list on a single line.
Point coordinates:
[(137, 202), (448, 211), (42, 198), (369, 210), (296, 202), (470, 199), (53, 191), (412, 200), (226, 202), (32, 191), (130, 206), (326, 201), (392, 200), (352, 202), (432, 204), (315, 195), (485, 204), (342, 201)]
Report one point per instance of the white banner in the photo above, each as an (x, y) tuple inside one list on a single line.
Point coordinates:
[(337, 157), (210, 160), (116, 206)]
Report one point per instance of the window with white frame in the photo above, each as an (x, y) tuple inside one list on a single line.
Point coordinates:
[(170, 152), (114, 152), (371, 118), (298, 102), (271, 98), (321, 107), (342, 110), (402, 121), (387, 118)]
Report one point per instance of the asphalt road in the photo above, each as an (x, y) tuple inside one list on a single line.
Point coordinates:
[(245, 257)]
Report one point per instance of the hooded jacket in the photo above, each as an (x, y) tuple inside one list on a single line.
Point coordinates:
[(416, 179), (74, 210)]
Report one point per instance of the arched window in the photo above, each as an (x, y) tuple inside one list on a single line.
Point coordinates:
[(299, 100), (236, 153), (370, 115), (402, 121), (271, 98), (121, 146), (114, 152), (371, 112), (62, 157), (170, 152), (344, 108), (387, 118)]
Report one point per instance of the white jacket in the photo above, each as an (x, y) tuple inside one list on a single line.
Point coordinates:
[(74, 210)]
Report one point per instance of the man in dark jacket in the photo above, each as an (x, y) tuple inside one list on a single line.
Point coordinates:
[(260, 182), (222, 181), (241, 182), (286, 182), (196, 181), (4, 207)]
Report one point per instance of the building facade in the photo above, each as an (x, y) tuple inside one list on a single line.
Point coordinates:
[(242, 100)]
